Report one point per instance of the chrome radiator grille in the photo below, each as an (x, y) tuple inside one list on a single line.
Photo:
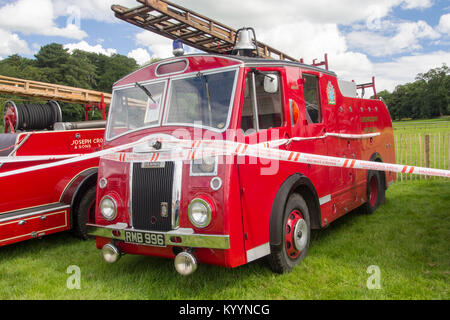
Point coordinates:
[(151, 197)]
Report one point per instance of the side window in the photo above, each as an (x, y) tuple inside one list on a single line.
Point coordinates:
[(262, 108), (312, 98)]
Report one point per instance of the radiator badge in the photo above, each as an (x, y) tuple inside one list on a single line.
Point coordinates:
[(164, 209), (153, 165), (331, 94)]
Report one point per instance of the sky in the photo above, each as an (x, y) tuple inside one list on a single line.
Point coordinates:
[(393, 40)]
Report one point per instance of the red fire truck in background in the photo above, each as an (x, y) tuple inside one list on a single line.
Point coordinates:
[(230, 213), (37, 203)]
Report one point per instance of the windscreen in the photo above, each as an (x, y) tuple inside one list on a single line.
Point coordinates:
[(135, 108), (202, 99)]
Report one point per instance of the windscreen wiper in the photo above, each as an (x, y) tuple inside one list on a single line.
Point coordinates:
[(147, 92), (208, 96)]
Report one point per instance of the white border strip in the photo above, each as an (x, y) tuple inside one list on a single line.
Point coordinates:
[(258, 252)]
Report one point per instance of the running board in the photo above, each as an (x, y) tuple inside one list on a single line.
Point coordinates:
[(29, 212)]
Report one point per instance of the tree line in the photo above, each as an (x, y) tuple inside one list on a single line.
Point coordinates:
[(427, 97), (81, 69)]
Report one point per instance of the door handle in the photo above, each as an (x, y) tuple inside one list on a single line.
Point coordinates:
[(287, 137)]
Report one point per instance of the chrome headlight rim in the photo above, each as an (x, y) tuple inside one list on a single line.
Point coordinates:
[(114, 216), (209, 213), (102, 183)]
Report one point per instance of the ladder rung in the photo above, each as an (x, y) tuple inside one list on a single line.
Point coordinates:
[(157, 20), (175, 27)]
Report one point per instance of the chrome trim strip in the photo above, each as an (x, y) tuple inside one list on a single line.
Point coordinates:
[(258, 252), (26, 215), (130, 195), (188, 238), (176, 193), (325, 199)]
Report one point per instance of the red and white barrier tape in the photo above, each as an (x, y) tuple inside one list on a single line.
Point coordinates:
[(71, 160), (197, 149)]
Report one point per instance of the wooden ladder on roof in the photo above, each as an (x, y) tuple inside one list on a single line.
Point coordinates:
[(177, 23), (48, 91)]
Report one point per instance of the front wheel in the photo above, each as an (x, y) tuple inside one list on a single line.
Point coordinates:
[(296, 235), (84, 213)]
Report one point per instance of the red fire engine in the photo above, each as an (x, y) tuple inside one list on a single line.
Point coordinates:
[(230, 213), (42, 202)]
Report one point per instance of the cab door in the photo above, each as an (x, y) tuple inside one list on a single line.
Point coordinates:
[(263, 118), (310, 131)]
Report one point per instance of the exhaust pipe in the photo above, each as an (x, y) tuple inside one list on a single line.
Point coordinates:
[(185, 263), (111, 253)]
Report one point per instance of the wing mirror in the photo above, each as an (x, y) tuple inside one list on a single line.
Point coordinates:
[(270, 83)]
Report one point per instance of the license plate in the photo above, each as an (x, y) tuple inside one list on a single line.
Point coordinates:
[(145, 238)]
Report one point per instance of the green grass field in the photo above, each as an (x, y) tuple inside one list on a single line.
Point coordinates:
[(408, 239), (426, 126)]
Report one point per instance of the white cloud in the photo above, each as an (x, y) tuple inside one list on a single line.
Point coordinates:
[(10, 43), (159, 46), (140, 55), (83, 45), (35, 17), (258, 13), (406, 38), (99, 10), (404, 69), (444, 24), (417, 4)]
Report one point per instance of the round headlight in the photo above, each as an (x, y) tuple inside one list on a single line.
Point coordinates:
[(199, 213), (204, 167), (108, 208), (208, 165)]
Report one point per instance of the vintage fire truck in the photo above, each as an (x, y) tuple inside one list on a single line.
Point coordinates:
[(230, 213), (36, 203)]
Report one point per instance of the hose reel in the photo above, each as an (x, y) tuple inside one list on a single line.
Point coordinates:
[(30, 116)]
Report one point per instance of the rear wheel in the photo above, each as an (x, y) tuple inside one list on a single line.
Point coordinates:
[(295, 235), (85, 213), (375, 192)]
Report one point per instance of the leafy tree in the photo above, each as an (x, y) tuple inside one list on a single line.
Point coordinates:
[(116, 67), (427, 97)]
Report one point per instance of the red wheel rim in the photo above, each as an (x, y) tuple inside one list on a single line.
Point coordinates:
[(295, 234), (373, 196)]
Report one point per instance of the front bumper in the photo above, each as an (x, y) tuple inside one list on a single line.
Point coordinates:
[(180, 237)]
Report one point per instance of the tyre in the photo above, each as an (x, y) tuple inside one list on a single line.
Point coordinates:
[(84, 213), (375, 192), (295, 235)]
